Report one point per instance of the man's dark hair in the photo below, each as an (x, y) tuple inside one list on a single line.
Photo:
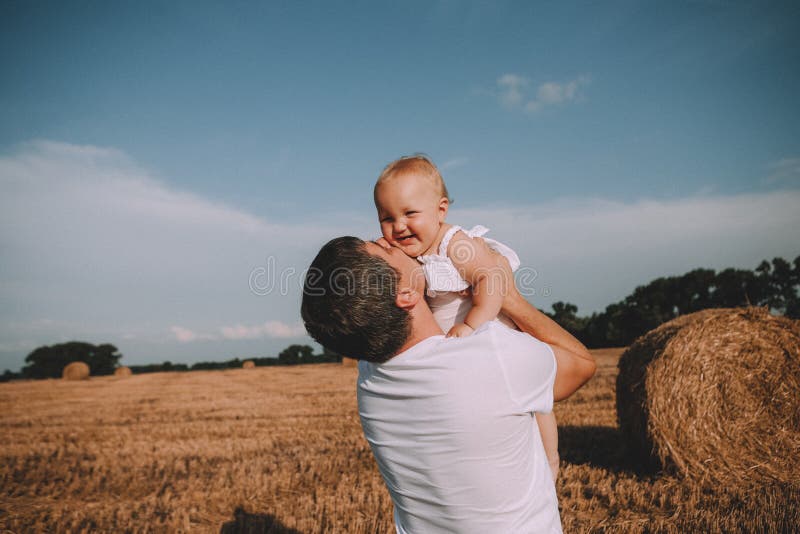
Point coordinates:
[(349, 302)]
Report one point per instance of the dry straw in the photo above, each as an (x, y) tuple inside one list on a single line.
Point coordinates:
[(715, 395), (123, 371), (75, 371), (249, 364)]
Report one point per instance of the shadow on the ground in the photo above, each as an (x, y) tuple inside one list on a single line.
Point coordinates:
[(601, 446), (246, 523)]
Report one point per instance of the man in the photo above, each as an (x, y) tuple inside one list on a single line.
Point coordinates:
[(449, 420)]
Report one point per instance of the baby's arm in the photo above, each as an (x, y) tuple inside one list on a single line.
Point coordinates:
[(549, 433), (489, 279)]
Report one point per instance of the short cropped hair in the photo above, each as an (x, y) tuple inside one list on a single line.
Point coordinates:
[(418, 164), (349, 302)]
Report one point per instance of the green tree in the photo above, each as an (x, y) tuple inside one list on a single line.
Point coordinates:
[(8, 375), (738, 287), (566, 315), (793, 304), (329, 356), (775, 285), (294, 354), (692, 291), (49, 361), (780, 283)]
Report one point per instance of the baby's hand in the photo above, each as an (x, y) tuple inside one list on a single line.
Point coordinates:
[(460, 330)]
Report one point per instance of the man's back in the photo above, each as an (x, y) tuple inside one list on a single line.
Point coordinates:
[(450, 424)]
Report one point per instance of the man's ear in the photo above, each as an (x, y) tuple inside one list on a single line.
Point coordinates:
[(407, 298), (444, 205)]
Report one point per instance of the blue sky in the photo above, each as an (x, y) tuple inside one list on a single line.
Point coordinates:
[(154, 156)]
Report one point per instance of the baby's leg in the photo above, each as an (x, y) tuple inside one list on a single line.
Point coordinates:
[(549, 432)]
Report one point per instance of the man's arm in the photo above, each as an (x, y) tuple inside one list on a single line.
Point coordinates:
[(575, 364)]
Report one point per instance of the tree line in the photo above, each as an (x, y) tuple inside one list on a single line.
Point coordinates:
[(774, 285), (291, 355), (49, 361)]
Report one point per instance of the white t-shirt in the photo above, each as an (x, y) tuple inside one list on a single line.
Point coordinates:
[(450, 425)]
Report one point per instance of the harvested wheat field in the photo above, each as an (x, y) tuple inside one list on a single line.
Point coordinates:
[(280, 450)]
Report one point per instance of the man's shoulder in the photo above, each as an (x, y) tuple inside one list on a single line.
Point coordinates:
[(499, 332), (491, 337), (500, 337)]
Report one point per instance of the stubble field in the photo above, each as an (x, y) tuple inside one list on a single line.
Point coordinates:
[(280, 450)]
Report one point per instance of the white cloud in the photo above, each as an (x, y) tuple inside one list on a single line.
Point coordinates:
[(274, 329), (514, 94), (511, 89), (454, 163), (184, 335)]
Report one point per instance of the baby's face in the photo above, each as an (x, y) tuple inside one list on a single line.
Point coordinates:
[(411, 212)]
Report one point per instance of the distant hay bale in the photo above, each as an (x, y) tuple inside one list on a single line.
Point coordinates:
[(249, 364), (715, 396), (123, 371), (349, 362), (75, 371)]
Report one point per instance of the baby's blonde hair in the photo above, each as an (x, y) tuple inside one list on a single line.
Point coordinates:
[(419, 165)]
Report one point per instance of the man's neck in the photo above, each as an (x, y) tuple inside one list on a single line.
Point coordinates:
[(423, 326)]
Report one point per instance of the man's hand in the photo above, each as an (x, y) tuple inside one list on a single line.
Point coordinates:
[(460, 330)]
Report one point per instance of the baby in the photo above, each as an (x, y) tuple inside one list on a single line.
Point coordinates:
[(465, 287)]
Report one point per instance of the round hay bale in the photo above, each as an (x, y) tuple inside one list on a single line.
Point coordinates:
[(123, 371), (249, 364), (714, 396), (75, 371), (349, 362)]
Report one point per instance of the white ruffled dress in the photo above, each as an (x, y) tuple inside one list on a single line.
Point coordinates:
[(447, 292)]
